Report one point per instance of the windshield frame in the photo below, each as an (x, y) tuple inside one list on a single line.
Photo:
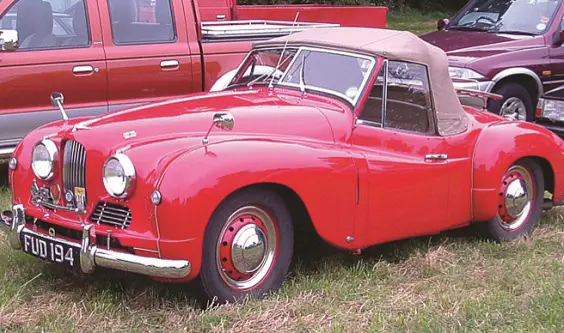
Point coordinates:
[(361, 87), (465, 10)]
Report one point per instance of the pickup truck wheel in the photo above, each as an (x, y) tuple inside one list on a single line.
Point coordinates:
[(248, 246), (521, 195), (516, 102)]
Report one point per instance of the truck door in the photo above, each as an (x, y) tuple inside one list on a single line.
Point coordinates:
[(48, 46), (147, 61)]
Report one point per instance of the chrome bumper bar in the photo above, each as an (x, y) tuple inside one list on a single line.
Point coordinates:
[(91, 256)]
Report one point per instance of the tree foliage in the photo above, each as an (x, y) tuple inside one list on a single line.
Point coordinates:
[(423, 5)]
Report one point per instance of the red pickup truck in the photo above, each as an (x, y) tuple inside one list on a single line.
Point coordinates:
[(108, 55)]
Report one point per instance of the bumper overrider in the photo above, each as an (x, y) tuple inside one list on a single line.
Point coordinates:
[(91, 256)]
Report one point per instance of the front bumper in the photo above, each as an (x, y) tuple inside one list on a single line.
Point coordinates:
[(484, 86), (91, 256)]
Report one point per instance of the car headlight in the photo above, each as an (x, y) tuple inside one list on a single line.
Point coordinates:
[(119, 176), (464, 73), (550, 109), (43, 158)]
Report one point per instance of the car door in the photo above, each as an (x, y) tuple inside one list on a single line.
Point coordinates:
[(147, 61), (408, 178), (50, 46)]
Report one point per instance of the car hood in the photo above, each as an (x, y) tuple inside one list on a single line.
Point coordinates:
[(255, 112), (465, 47)]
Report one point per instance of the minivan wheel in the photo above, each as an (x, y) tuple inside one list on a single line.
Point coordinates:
[(516, 102)]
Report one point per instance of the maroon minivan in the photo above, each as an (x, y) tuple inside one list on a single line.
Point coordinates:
[(513, 48)]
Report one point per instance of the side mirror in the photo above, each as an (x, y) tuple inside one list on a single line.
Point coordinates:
[(558, 38), (224, 120), (56, 99), (442, 23)]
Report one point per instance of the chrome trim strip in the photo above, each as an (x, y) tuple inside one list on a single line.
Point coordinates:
[(436, 157), (91, 256)]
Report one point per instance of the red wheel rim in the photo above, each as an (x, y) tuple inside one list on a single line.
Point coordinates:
[(247, 248), (516, 198)]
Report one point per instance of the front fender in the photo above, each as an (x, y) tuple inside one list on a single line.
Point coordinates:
[(196, 183), (497, 148)]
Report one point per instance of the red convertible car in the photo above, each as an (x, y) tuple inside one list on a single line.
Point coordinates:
[(356, 131)]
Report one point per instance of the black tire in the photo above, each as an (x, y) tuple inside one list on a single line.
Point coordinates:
[(512, 90), (497, 229), (215, 279)]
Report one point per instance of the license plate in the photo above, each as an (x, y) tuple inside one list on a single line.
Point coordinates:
[(51, 250)]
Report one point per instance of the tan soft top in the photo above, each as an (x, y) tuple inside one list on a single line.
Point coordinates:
[(393, 45)]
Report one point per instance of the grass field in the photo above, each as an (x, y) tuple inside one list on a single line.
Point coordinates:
[(447, 283)]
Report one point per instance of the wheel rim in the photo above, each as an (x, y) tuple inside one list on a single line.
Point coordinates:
[(514, 107), (247, 248), (515, 198)]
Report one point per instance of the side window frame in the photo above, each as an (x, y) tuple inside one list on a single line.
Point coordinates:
[(133, 43), (431, 112), (57, 48)]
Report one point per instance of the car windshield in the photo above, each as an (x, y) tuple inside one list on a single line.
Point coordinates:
[(527, 17), (338, 73)]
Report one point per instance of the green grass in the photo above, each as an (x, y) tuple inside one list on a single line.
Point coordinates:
[(446, 283), (415, 21)]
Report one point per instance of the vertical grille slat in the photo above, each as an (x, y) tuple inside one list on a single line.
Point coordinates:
[(74, 166)]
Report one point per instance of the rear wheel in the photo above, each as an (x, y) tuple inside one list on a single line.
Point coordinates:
[(248, 246), (520, 200)]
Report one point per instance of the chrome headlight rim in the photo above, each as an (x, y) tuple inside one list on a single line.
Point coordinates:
[(466, 73), (53, 152), (129, 174)]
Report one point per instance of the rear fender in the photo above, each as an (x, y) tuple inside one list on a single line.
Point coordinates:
[(501, 145), (195, 184)]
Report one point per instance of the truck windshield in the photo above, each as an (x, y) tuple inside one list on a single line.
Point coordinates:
[(527, 17), (327, 71)]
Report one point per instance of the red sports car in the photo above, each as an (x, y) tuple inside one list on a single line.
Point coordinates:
[(358, 132)]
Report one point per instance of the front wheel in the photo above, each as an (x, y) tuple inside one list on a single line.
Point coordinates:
[(516, 102), (248, 246), (520, 199)]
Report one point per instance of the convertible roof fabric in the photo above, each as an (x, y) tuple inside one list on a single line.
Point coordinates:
[(392, 45)]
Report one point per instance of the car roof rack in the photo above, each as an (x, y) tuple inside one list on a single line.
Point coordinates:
[(256, 28)]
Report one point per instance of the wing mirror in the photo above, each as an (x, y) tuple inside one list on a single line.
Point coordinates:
[(223, 120), (57, 100), (442, 23)]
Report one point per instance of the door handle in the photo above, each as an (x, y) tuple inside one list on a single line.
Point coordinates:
[(82, 69), (220, 17), (436, 157), (169, 63)]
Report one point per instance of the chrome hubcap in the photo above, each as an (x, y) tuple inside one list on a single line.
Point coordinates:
[(247, 248), (514, 107), (516, 197)]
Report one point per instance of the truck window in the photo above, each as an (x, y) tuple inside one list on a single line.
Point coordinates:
[(44, 25), (141, 22)]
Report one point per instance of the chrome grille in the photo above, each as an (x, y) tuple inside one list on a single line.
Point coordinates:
[(74, 166), (111, 214)]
